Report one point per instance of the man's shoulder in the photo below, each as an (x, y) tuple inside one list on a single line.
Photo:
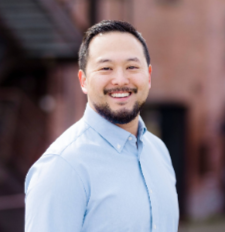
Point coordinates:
[(68, 138), (159, 146), (61, 156), (154, 139)]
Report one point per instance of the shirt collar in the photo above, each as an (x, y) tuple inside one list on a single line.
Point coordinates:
[(141, 128), (115, 135)]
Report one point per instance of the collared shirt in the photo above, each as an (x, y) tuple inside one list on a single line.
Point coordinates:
[(97, 177)]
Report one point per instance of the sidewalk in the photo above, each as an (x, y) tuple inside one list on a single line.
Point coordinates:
[(207, 226)]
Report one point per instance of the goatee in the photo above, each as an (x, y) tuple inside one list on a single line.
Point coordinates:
[(122, 116)]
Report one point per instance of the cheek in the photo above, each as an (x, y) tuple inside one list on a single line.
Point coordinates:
[(142, 83), (96, 88), (144, 88)]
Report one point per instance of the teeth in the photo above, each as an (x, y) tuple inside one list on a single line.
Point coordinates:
[(120, 94)]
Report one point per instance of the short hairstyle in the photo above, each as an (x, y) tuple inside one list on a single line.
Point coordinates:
[(104, 27)]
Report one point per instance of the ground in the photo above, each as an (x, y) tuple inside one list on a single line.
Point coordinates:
[(213, 225)]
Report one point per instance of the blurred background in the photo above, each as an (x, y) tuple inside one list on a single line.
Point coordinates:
[(40, 95)]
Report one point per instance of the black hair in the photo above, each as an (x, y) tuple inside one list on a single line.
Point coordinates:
[(104, 27)]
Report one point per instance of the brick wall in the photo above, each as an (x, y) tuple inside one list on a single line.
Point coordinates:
[(186, 44)]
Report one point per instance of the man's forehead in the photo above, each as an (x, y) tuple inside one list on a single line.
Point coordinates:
[(112, 34), (107, 41)]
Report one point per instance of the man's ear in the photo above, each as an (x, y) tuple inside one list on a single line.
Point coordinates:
[(150, 75), (83, 81)]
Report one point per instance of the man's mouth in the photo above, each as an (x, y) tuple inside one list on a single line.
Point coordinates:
[(120, 92), (120, 95)]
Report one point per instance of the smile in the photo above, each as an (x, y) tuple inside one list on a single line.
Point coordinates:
[(120, 95), (120, 92)]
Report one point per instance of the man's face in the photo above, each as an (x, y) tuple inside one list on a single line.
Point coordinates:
[(117, 78)]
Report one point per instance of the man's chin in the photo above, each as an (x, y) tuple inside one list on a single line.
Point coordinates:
[(121, 115)]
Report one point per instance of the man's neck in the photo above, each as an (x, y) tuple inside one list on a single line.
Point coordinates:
[(131, 127)]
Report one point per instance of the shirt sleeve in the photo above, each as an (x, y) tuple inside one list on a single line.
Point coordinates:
[(55, 197)]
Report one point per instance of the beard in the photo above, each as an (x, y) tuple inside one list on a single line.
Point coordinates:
[(122, 116)]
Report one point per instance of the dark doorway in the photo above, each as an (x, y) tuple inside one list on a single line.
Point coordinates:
[(168, 121)]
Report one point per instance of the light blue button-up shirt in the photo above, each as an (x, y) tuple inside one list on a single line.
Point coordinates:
[(97, 177)]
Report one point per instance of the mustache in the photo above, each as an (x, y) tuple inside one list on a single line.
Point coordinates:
[(123, 89)]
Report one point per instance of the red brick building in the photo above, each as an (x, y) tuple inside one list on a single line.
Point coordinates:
[(186, 44), (185, 105)]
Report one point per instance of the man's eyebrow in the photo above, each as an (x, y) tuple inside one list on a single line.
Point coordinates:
[(133, 59), (108, 60), (104, 61)]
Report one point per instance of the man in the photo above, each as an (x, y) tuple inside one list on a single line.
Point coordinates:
[(106, 172)]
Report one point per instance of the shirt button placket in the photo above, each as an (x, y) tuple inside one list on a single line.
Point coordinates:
[(150, 193), (151, 196)]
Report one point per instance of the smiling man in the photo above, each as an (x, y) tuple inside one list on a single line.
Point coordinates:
[(116, 77), (106, 173)]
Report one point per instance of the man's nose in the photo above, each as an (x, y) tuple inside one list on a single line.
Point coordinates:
[(120, 78)]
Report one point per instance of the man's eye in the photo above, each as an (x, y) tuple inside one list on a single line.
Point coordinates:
[(132, 67), (106, 68)]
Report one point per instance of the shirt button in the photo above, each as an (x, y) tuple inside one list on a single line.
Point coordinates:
[(130, 138), (118, 146), (150, 191), (154, 227)]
